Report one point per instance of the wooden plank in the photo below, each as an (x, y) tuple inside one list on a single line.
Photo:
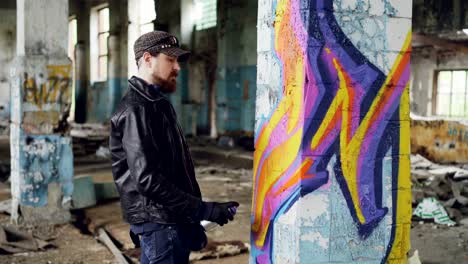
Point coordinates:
[(105, 239)]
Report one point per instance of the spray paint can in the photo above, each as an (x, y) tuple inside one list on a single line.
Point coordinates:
[(208, 226)]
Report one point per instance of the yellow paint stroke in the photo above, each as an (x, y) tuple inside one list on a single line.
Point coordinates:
[(401, 242), (291, 107), (281, 157)]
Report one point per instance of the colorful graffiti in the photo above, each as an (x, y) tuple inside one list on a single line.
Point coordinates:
[(48, 92), (339, 116), (46, 99)]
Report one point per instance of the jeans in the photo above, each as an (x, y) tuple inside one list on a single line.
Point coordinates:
[(165, 245)]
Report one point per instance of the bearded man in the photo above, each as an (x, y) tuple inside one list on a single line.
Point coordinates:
[(151, 162)]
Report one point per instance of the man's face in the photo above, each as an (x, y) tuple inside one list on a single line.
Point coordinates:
[(164, 70)]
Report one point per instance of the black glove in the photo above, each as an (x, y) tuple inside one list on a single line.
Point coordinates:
[(220, 213)]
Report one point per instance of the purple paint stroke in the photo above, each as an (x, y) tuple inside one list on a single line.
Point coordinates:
[(367, 155)]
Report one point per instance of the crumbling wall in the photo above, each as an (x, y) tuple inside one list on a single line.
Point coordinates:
[(442, 141), (331, 161)]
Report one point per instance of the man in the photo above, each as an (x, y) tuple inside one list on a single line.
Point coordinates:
[(151, 162)]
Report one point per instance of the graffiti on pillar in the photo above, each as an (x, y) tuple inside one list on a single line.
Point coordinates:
[(43, 160), (47, 92), (341, 121), (46, 98)]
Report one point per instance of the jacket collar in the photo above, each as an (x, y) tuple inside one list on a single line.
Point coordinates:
[(148, 91)]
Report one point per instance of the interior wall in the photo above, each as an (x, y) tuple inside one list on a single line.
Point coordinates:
[(424, 64)]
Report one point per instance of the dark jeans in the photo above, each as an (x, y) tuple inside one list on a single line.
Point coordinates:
[(163, 245)]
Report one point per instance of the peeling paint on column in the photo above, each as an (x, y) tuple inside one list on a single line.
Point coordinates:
[(40, 100), (43, 160), (331, 165)]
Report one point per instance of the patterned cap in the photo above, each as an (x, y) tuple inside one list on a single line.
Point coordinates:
[(159, 42)]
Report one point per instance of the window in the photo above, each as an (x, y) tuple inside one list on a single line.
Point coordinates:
[(147, 16), (205, 14), (72, 38), (141, 15), (103, 34), (452, 93)]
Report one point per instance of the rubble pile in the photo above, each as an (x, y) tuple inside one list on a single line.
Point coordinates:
[(446, 184), (87, 138)]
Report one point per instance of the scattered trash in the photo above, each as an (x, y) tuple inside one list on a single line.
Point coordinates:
[(430, 208), (87, 138), (464, 222), (225, 141), (447, 184), (13, 241), (414, 259), (220, 249), (103, 152), (5, 206)]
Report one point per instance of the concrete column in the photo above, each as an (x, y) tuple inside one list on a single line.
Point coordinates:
[(235, 82), (41, 153), (82, 60), (118, 22), (114, 72), (331, 161), (81, 82)]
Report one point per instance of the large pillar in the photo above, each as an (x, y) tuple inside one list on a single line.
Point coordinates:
[(331, 162), (236, 71), (41, 153), (116, 77), (82, 60)]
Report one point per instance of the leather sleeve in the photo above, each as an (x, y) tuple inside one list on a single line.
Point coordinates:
[(146, 168)]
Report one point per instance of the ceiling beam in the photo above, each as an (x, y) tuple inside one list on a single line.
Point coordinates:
[(442, 43)]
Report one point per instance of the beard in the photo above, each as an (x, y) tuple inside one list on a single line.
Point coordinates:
[(167, 85)]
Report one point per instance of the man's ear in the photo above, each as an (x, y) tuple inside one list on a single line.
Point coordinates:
[(147, 58)]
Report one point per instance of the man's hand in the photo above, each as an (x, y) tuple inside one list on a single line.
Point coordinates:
[(220, 213)]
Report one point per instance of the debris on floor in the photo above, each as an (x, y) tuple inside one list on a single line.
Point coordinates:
[(5, 206), (103, 152), (447, 184), (219, 249), (87, 138), (430, 208), (106, 240), (13, 241), (214, 250), (414, 259)]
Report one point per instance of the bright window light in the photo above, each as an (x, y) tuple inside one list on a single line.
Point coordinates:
[(205, 14)]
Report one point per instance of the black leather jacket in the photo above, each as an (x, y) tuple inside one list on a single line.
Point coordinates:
[(151, 162)]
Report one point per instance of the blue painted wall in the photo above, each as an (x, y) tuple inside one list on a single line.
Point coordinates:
[(44, 159), (235, 98), (103, 98)]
